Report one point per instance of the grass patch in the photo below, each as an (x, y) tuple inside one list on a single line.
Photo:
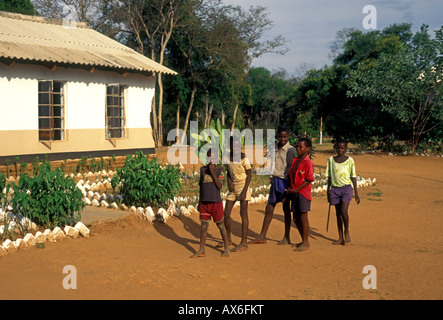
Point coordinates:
[(375, 194)]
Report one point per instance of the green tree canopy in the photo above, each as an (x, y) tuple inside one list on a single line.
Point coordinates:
[(408, 83), (17, 6)]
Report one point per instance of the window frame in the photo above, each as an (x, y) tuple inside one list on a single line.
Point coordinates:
[(48, 133), (118, 112)]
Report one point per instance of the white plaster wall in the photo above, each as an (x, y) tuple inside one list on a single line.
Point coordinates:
[(18, 103), (139, 100), (85, 105), (85, 97)]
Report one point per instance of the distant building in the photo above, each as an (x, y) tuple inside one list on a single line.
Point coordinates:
[(69, 91)]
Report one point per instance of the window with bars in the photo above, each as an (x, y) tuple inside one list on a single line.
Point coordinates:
[(115, 111), (51, 110)]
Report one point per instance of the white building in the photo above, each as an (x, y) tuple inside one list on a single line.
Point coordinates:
[(69, 91)]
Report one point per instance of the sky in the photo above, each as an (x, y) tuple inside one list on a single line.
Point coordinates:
[(311, 25)]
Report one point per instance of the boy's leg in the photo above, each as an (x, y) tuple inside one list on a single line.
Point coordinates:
[(227, 213), (302, 223), (288, 220), (203, 234), (342, 221), (345, 219), (245, 225), (339, 224), (221, 227), (269, 212)]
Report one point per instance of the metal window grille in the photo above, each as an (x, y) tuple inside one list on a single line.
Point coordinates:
[(51, 110), (115, 111)]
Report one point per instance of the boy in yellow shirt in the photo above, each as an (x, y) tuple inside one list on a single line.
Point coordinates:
[(239, 175)]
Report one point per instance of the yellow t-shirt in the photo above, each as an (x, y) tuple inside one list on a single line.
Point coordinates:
[(237, 171), (340, 173)]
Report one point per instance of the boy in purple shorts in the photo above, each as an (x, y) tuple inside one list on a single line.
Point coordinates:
[(284, 154), (211, 204), (340, 171)]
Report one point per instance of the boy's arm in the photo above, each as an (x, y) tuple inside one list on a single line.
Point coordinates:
[(214, 176), (296, 190), (247, 182), (230, 182), (329, 189), (354, 183)]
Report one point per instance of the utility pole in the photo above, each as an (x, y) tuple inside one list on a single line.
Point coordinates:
[(321, 130)]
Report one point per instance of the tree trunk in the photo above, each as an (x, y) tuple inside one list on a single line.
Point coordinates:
[(206, 124), (234, 116), (177, 139), (211, 107), (154, 120), (160, 110), (188, 114)]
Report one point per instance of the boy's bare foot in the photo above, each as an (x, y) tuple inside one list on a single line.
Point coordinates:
[(221, 244), (302, 247), (339, 241), (198, 254), (283, 241), (297, 244), (258, 241), (225, 254), (240, 247)]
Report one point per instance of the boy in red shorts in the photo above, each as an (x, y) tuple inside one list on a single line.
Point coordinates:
[(210, 204)]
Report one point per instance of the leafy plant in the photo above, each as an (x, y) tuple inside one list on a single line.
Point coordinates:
[(144, 182), (82, 164), (48, 199), (217, 132)]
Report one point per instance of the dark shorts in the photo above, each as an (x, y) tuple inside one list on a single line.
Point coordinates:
[(339, 194), (300, 204), (211, 209), (277, 192)]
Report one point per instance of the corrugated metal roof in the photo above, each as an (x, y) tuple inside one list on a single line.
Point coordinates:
[(38, 39)]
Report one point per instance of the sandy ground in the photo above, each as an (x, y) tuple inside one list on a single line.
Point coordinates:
[(397, 228)]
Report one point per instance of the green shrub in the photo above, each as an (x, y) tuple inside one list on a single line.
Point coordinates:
[(144, 182), (48, 199)]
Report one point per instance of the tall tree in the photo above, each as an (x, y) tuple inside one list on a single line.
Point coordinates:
[(207, 51), (408, 83), (252, 24), (152, 22)]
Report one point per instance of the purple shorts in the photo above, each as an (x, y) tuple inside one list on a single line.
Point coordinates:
[(339, 194)]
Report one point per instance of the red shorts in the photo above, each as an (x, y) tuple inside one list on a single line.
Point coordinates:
[(211, 209)]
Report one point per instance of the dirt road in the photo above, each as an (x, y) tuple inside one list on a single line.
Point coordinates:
[(397, 228)]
